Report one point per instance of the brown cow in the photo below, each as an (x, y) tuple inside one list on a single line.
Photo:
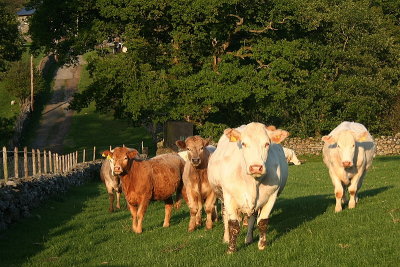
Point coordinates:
[(112, 182), (196, 183), (143, 180)]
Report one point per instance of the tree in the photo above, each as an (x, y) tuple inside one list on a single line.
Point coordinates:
[(302, 65), (10, 41), (17, 81)]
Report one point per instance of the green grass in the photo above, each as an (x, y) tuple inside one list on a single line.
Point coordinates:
[(76, 229), (90, 128)]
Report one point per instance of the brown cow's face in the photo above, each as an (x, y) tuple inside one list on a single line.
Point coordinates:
[(196, 147), (120, 158)]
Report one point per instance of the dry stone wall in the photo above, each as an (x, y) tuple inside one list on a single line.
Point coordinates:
[(19, 196), (385, 145)]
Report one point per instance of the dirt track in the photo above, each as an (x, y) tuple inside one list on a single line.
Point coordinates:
[(56, 119)]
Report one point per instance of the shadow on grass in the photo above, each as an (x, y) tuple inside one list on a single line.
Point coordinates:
[(28, 237), (291, 213), (387, 158)]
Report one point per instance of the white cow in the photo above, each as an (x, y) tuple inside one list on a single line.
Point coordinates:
[(248, 170), (291, 156), (348, 152)]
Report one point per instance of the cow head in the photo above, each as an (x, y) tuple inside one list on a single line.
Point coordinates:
[(120, 158), (345, 144), (196, 148), (253, 142)]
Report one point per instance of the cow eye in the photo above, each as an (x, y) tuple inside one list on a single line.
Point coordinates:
[(126, 158), (202, 148), (267, 145), (188, 149), (243, 144)]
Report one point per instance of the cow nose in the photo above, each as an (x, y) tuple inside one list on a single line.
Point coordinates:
[(117, 169), (347, 164), (196, 161), (256, 169)]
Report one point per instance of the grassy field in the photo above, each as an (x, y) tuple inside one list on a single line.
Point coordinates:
[(90, 129), (76, 229)]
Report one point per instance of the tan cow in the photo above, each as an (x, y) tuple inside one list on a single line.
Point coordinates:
[(348, 152), (195, 180), (143, 180), (248, 170), (112, 182)]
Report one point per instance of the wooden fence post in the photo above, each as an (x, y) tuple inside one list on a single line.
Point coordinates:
[(26, 162), (5, 164), (94, 153), (63, 163), (33, 162), (16, 174), (39, 161), (76, 157), (56, 163), (50, 163), (83, 156), (44, 161)]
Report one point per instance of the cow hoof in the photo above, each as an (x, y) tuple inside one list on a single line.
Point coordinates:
[(261, 247), (230, 251), (352, 205), (338, 209), (248, 241), (165, 225), (209, 225)]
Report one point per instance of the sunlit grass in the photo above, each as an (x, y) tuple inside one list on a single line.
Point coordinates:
[(76, 229)]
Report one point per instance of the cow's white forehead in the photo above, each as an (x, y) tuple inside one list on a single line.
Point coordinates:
[(254, 132), (346, 138)]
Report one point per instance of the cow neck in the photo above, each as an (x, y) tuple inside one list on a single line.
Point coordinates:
[(204, 162)]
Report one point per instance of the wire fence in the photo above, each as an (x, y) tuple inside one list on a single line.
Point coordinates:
[(24, 163)]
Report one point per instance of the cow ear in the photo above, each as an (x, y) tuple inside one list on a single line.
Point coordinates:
[(132, 154), (181, 144), (278, 136), (106, 153), (232, 134), (362, 137), (206, 142), (328, 139), (270, 128)]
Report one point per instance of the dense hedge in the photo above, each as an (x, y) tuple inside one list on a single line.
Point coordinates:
[(304, 65)]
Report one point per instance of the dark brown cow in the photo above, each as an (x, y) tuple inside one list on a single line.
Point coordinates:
[(196, 183), (143, 180)]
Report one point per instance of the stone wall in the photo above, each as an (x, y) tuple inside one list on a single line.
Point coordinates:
[(385, 145), (19, 196)]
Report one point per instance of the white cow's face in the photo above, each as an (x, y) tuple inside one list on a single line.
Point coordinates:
[(254, 142), (345, 145)]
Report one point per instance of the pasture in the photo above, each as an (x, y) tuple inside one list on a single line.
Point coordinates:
[(76, 229)]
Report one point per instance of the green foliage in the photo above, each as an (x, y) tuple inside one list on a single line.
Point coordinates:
[(302, 65), (17, 81), (76, 229), (11, 40)]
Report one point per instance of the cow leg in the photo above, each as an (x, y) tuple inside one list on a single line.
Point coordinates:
[(262, 220), (118, 206), (179, 193), (199, 209), (193, 207), (262, 227), (133, 211), (111, 199), (232, 221), (226, 228), (250, 228), (140, 215), (344, 197), (338, 191), (168, 209), (234, 229), (354, 186), (210, 209)]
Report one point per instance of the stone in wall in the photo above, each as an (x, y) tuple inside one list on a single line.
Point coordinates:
[(19, 196)]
